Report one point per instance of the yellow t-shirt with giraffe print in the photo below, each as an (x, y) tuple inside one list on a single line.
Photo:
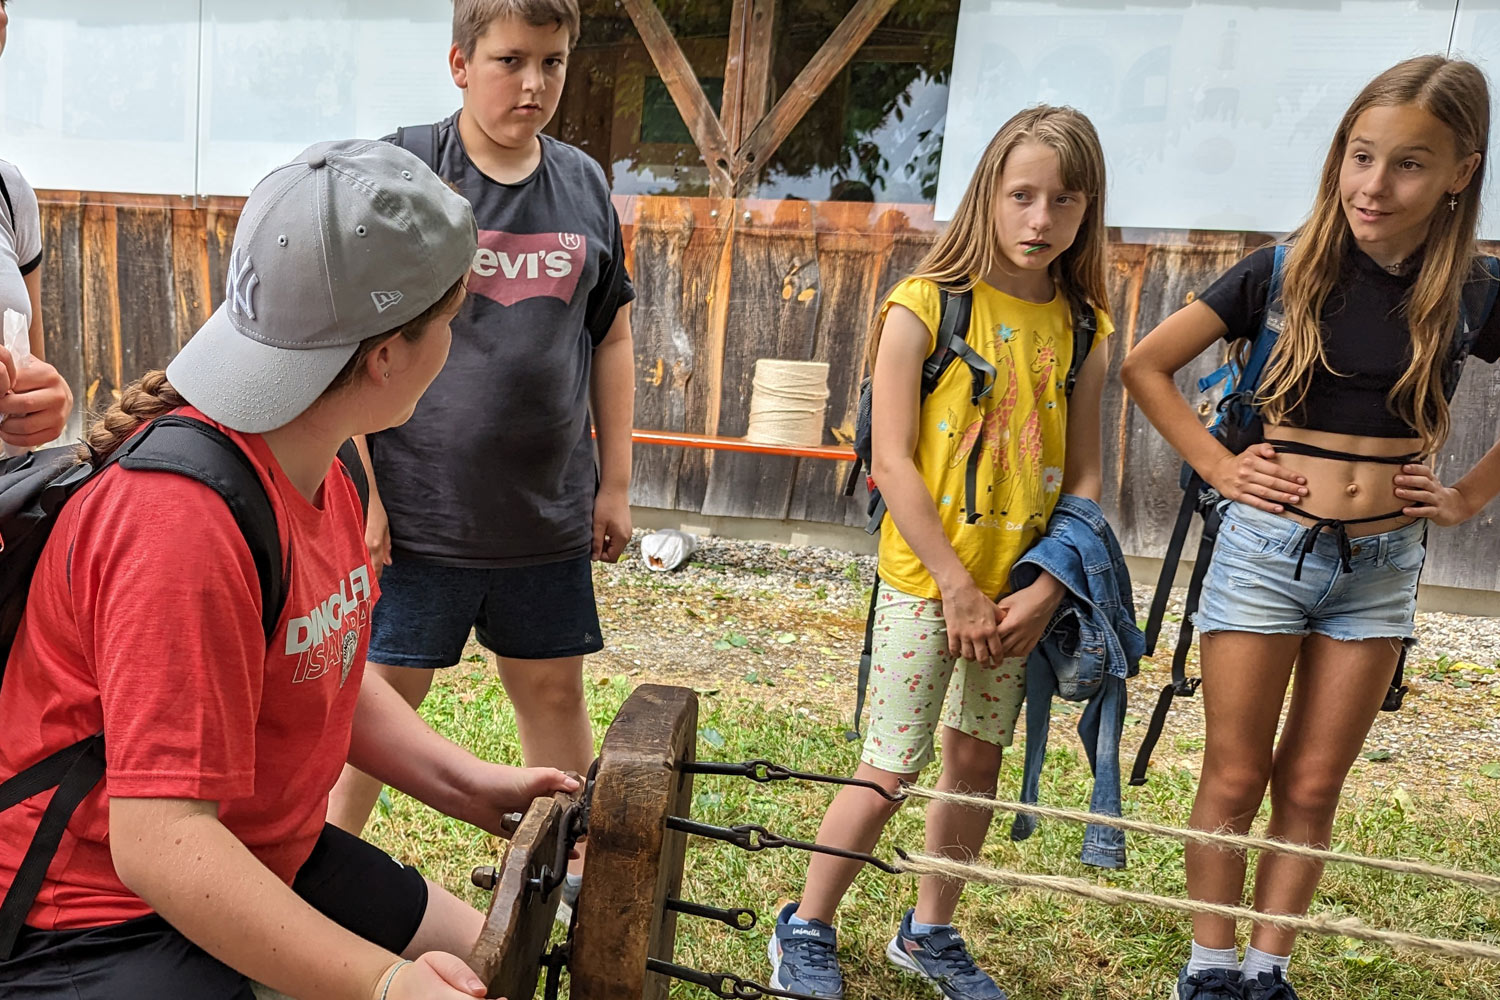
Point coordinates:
[(1019, 428)]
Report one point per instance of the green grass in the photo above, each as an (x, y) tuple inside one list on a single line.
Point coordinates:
[(1040, 947)]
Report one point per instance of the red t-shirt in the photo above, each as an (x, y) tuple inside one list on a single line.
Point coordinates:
[(144, 620)]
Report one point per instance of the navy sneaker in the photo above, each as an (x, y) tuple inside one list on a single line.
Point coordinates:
[(804, 957), (942, 960), (1209, 984), (1269, 986)]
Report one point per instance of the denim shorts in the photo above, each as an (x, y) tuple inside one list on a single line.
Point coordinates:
[(426, 611), (1250, 587)]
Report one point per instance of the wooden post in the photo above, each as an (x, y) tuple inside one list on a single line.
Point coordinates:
[(687, 93), (634, 861), (747, 70), (809, 85)]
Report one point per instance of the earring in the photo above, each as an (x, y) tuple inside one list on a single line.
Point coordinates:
[(1452, 202), (385, 374)]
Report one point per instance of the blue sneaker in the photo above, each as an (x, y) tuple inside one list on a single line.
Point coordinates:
[(942, 960), (1269, 986), (1209, 984), (804, 957)]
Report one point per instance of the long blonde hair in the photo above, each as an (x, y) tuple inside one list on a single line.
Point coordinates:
[(969, 248), (1454, 92)]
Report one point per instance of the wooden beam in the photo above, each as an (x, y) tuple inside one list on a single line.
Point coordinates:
[(747, 70), (687, 93), (772, 130)]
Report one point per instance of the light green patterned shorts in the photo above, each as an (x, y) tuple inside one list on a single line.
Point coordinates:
[(916, 684)]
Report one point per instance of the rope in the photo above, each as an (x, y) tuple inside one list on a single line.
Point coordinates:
[(788, 401), (1489, 883), (924, 864)]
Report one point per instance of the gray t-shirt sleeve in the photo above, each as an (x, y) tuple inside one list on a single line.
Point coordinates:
[(24, 218), (614, 289)]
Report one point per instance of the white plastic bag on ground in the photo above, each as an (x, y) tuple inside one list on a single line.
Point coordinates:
[(667, 549)]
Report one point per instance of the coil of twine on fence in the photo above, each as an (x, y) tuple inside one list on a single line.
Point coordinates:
[(1235, 842), (925, 864), (788, 401)]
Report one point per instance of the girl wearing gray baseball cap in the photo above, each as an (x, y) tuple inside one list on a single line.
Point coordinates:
[(202, 861)]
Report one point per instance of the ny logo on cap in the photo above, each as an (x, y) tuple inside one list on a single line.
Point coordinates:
[(240, 289), (384, 300)]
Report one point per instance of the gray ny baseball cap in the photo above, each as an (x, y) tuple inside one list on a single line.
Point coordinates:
[(348, 241)]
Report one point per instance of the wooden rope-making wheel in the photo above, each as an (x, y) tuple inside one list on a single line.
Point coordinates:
[(634, 810), (634, 865)]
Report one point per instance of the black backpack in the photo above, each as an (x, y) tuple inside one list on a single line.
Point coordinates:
[(1237, 425), (33, 489), (952, 345)]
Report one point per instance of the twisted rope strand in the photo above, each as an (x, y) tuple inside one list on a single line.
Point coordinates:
[(1489, 883), (924, 864)]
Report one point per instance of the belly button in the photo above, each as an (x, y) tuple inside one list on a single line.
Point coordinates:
[(1352, 489)]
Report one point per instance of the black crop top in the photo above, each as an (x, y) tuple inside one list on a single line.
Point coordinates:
[(1365, 338)]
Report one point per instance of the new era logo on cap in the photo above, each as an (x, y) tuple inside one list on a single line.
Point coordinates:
[(385, 300)]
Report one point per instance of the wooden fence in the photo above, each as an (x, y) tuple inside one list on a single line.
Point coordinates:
[(721, 282)]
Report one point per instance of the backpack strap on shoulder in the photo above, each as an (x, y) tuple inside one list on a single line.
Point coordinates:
[(421, 142), (354, 468), (203, 453), (1085, 327)]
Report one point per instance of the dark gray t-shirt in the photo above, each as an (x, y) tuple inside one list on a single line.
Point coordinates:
[(496, 466)]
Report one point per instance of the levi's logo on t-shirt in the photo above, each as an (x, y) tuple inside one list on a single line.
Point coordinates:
[(513, 267), (327, 637)]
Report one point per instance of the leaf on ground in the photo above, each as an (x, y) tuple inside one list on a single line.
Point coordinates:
[(786, 638), (723, 644), (736, 640), (1491, 770), (712, 737), (1403, 800), (753, 677), (1377, 755)]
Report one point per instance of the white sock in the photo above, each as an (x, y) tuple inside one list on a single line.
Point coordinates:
[(796, 921), (1213, 958), (917, 927), (1257, 961)]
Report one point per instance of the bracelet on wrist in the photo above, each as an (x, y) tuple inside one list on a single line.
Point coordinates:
[(390, 976)]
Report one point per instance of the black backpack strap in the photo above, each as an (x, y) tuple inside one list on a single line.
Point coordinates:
[(421, 142), (10, 208), (864, 663), (1085, 326), (206, 454), (1182, 685), (355, 467), (74, 771)]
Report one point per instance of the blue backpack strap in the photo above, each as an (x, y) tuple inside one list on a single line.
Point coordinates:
[(1275, 321)]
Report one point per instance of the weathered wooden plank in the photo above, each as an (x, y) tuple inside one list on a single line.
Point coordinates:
[(808, 86), (854, 242), (682, 83), (675, 246), (62, 296), (773, 314), (219, 226), (747, 69), (191, 293), (101, 307), (144, 282), (635, 862)]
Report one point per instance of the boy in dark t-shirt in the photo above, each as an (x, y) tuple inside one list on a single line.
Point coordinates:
[(488, 505)]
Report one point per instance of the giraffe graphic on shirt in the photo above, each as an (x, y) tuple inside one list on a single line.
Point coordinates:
[(1029, 443)]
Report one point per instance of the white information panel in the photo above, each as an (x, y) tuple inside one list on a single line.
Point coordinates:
[(1476, 37), (280, 75), (1212, 115), (102, 95)]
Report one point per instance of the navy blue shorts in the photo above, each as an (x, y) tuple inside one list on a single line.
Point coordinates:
[(426, 611), (349, 881)]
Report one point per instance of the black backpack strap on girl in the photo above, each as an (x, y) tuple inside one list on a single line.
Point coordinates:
[(421, 142)]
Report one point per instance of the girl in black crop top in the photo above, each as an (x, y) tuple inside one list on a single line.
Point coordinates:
[(1376, 288)]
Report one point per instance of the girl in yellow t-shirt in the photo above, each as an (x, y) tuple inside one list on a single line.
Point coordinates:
[(950, 639)]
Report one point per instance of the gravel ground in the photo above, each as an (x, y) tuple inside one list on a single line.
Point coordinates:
[(785, 624)]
